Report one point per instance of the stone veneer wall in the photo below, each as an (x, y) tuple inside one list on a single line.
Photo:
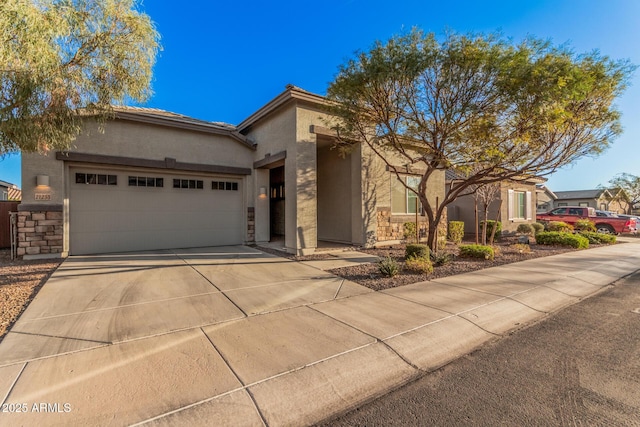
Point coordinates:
[(40, 232), (391, 227), (251, 224)]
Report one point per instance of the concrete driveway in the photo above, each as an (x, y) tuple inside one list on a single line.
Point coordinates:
[(234, 336), (92, 301)]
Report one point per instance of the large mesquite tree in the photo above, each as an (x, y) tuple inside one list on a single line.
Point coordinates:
[(480, 105), (64, 60)]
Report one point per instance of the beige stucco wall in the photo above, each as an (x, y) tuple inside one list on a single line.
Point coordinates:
[(42, 164), (334, 195), (273, 135), (131, 139)]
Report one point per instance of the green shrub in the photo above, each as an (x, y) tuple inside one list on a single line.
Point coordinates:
[(441, 243), (599, 238), (456, 231), (585, 225), (409, 231), (477, 251), (441, 258), (537, 227), (564, 239), (416, 250), (559, 226), (490, 224), (525, 229), (388, 266), (419, 265)]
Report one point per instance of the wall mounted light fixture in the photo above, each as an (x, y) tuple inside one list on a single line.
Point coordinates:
[(262, 193), (42, 180)]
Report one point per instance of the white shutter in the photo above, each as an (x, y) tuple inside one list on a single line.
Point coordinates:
[(528, 205), (510, 205)]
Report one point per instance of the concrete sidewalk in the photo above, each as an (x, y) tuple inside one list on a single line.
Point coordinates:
[(222, 342)]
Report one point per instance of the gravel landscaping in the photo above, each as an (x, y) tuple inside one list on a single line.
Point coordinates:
[(506, 252), (368, 274), (19, 283)]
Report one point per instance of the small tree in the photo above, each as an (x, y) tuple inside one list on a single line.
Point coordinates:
[(64, 60), (485, 194), (515, 110)]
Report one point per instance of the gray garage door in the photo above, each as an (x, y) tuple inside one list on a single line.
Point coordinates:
[(120, 211)]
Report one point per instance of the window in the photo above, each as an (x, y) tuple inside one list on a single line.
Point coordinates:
[(224, 185), (145, 181), (519, 205), (559, 211), (97, 179), (4, 195), (403, 200), (188, 183), (583, 204)]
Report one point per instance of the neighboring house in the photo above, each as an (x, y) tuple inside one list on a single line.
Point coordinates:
[(9, 191), (544, 198), (516, 201), (601, 199), (159, 180)]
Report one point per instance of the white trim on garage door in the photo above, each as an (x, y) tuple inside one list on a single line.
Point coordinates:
[(107, 213)]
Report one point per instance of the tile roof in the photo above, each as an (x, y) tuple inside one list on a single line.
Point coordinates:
[(156, 112), (579, 194)]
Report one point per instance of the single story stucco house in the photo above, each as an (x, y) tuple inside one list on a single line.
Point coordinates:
[(159, 180)]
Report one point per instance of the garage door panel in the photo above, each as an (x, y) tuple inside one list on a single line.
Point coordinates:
[(122, 218)]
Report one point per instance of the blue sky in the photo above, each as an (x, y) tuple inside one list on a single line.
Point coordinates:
[(222, 60)]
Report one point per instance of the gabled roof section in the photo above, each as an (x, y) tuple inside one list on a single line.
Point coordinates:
[(175, 120), (580, 194), (544, 189), (291, 93), (7, 184)]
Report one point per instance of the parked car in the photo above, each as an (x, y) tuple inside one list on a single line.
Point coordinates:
[(604, 223)]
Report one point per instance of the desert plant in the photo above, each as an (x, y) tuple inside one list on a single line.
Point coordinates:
[(388, 266), (585, 225), (564, 239), (537, 227), (441, 258), (456, 231), (416, 250), (409, 231), (522, 248), (559, 226), (419, 265), (599, 238), (525, 229), (476, 251)]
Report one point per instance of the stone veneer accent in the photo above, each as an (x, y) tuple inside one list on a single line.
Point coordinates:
[(391, 227), (39, 232), (251, 224)]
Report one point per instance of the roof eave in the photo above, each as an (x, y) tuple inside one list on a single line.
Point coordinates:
[(291, 93)]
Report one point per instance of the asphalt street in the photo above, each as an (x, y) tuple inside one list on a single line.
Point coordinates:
[(579, 367)]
